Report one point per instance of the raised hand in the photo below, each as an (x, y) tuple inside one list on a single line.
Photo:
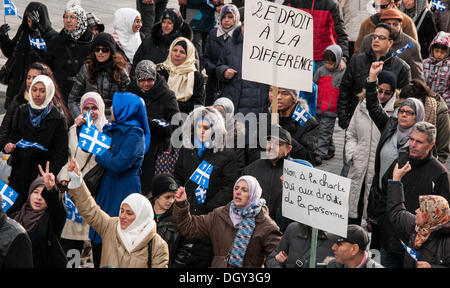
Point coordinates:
[(73, 166), (49, 178), (398, 174), (375, 69), (180, 195), (9, 148), (4, 29)]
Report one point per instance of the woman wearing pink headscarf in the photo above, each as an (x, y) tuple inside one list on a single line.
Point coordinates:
[(428, 230), (242, 233)]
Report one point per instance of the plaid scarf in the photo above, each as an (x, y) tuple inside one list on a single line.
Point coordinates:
[(244, 234)]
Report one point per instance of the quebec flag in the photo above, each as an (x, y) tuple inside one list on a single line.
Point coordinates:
[(72, 212), (38, 43), (88, 119), (410, 251), (438, 5), (9, 196), (92, 141), (200, 195), (25, 144), (10, 8), (202, 173), (300, 115)]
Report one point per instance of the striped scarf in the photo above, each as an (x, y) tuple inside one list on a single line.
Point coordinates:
[(244, 234)]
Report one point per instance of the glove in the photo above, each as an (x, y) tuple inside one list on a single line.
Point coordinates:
[(4, 29), (34, 17)]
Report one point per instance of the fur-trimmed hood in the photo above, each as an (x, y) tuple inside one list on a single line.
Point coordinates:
[(217, 123)]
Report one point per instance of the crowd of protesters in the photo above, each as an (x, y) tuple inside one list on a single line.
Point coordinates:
[(167, 88)]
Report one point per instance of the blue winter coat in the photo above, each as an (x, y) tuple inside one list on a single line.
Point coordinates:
[(122, 162), (247, 96)]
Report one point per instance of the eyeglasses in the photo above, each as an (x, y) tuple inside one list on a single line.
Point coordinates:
[(384, 6), (103, 49), (407, 112), (381, 37), (386, 92)]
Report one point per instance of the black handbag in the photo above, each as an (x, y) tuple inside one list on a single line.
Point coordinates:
[(93, 179)]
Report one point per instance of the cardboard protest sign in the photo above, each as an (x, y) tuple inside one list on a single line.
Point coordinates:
[(316, 198), (278, 45)]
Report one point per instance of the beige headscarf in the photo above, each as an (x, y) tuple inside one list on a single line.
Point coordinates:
[(181, 78), (96, 99), (49, 91)]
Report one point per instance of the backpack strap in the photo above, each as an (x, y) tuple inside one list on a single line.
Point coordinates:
[(150, 250)]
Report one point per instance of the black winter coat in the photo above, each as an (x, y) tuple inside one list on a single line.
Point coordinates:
[(52, 134), (247, 96), (47, 233), (436, 250), (355, 77), (426, 32), (161, 103), (15, 245), (213, 48), (198, 98), (65, 56), (296, 242), (19, 51), (156, 46)]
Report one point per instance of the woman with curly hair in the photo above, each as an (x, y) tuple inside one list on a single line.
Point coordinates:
[(104, 72)]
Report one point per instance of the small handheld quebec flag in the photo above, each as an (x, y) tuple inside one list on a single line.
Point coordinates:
[(410, 251)]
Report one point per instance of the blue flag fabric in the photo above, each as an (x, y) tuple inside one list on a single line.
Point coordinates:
[(161, 122), (72, 212), (9, 196), (10, 8), (401, 50), (88, 119), (200, 195), (202, 173), (92, 141), (25, 144), (300, 115), (38, 43), (410, 251), (438, 5)]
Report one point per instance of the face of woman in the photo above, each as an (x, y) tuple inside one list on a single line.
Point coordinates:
[(241, 194), (165, 201), (166, 26), (384, 93), (94, 111), (203, 131), (102, 54), (36, 200), (146, 84), (227, 21), (33, 73), (420, 218), (178, 55), (70, 21), (406, 117), (126, 216), (38, 93), (137, 24)]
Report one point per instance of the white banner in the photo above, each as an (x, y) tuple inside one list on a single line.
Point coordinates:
[(316, 198), (278, 45)]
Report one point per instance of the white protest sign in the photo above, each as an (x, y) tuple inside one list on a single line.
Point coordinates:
[(316, 198), (278, 45)]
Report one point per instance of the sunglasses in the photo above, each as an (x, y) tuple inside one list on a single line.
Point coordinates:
[(376, 6), (407, 112), (103, 49), (386, 92)]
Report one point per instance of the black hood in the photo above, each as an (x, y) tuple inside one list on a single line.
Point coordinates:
[(184, 31), (45, 24)]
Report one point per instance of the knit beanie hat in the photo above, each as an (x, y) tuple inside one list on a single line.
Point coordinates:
[(388, 77), (162, 183), (105, 40)]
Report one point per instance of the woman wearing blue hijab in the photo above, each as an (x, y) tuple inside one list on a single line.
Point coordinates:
[(130, 135)]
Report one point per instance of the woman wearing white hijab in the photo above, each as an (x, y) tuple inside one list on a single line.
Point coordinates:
[(127, 24), (76, 233), (37, 122), (126, 239), (242, 233), (182, 76)]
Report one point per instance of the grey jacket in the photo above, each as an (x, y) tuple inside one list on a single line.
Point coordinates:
[(369, 264)]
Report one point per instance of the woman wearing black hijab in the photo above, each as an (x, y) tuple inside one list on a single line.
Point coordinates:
[(35, 24)]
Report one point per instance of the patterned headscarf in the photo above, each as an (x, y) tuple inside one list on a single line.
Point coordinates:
[(436, 212), (417, 106), (226, 9), (75, 8), (244, 218)]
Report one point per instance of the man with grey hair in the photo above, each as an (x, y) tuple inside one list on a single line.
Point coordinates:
[(427, 177)]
